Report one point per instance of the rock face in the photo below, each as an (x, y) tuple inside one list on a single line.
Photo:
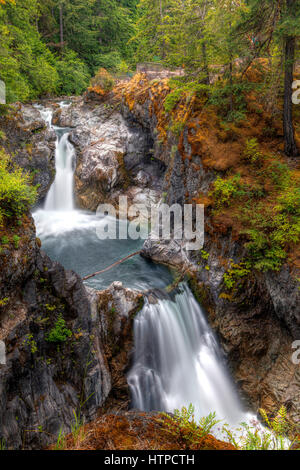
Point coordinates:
[(113, 156), (44, 382), (257, 326), (31, 144)]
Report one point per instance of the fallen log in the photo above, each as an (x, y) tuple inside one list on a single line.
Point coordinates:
[(112, 266)]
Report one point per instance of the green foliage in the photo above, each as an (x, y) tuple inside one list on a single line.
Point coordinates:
[(16, 194), (31, 343), (177, 127), (204, 255), (61, 441), (60, 333), (5, 240), (185, 429), (27, 66), (16, 240), (289, 201), (252, 153), (270, 221), (4, 301), (236, 273), (254, 437), (280, 174), (33, 61), (172, 99), (77, 426), (224, 189), (269, 232), (73, 74)]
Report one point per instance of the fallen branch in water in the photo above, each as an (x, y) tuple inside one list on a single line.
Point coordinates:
[(112, 266)]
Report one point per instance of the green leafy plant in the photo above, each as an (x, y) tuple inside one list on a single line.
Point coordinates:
[(5, 240), (16, 194), (177, 128), (4, 301), (224, 189), (185, 429), (61, 441), (31, 343), (77, 427), (235, 273), (60, 333), (172, 99), (16, 240), (252, 153), (254, 437)]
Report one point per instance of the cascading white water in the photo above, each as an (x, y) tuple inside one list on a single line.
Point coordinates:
[(177, 361), (60, 196)]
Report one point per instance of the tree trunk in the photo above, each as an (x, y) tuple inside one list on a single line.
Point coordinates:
[(163, 51), (290, 147), (61, 25), (205, 64)]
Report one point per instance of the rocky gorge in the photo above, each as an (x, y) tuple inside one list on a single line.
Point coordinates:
[(125, 146)]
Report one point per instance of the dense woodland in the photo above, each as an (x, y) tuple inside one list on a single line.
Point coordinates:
[(56, 46)]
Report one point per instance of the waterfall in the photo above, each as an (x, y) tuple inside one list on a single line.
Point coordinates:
[(177, 361), (176, 358), (60, 196)]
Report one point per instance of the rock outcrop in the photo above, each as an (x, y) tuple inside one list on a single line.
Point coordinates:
[(113, 156), (31, 144), (46, 379)]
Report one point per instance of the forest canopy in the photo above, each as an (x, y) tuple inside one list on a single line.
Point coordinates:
[(54, 47)]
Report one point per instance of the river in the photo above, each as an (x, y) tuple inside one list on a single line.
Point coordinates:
[(176, 359)]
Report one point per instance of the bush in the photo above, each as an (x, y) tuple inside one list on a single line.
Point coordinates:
[(226, 189), (60, 333), (252, 153), (280, 174), (235, 274), (103, 81), (289, 201), (16, 194), (172, 99), (109, 61), (73, 73), (269, 232)]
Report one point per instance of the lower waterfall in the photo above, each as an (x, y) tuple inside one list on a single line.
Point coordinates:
[(177, 360)]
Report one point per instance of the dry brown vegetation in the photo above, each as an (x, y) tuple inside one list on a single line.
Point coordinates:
[(133, 431)]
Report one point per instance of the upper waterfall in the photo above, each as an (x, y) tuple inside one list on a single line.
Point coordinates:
[(60, 196)]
